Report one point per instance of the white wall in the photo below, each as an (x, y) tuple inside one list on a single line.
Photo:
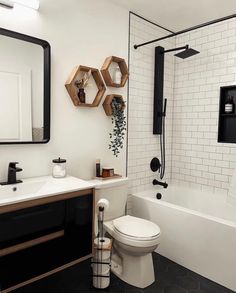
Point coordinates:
[(143, 145), (198, 159), (80, 32)]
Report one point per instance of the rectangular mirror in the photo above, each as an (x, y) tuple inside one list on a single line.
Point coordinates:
[(24, 89)]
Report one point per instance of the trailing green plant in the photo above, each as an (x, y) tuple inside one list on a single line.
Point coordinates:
[(118, 119)]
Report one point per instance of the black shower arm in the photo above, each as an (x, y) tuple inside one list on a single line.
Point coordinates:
[(186, 30), (176, 49)]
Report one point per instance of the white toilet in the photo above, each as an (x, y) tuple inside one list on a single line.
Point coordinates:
[(134, 239)]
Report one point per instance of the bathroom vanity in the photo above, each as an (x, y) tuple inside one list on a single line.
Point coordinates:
[(46, 225)]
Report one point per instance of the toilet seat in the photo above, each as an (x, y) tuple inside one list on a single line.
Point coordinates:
[(136, 228), (136, 239)]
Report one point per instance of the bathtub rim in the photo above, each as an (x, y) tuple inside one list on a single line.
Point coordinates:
[(181, 208)]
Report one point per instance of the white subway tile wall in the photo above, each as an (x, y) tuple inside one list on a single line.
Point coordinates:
[(143, 145), (198, 160), (193, 155)]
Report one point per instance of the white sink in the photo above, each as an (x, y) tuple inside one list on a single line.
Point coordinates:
[(39, 187), (20, 189)]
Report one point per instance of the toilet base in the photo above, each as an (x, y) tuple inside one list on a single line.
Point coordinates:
[(136, 270)]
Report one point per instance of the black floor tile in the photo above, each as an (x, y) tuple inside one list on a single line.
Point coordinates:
[(196, 291), (211, 287), (188, 282), (174, 289), (170, 278)]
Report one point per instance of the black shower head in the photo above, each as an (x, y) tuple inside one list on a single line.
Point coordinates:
[(188, 52)]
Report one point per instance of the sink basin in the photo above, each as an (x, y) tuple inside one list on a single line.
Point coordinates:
[(39, 187), (21, 189)]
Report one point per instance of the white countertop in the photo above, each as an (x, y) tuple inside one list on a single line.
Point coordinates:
[(99, 183), (40, 187)]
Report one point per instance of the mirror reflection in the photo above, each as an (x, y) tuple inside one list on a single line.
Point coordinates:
[(21, 91)]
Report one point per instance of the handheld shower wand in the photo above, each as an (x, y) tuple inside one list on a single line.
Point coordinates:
[(164, 110), (162, 142)]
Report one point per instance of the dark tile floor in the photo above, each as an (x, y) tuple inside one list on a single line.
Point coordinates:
[(170, 278)]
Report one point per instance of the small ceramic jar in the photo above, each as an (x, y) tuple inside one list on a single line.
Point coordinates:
[(107, 172), (59, 168)]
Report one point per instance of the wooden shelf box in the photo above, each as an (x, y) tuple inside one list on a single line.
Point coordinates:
[(108, 101), (123, 68), (73, 90)]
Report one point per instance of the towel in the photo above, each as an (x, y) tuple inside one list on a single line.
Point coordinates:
[(232, 189)]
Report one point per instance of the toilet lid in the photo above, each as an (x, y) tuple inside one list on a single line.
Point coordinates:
[(136, 227)]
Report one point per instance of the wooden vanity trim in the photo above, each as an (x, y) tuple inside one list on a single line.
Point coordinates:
[(30, 243), (45, 200), (94, 219), (46, 274)]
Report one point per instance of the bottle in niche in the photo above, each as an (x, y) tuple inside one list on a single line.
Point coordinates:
[(117, 75), (229, 105)]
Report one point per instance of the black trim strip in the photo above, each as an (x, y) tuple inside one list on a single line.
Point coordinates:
[(186, 30), (127, 108), (158, 25), (8, 6)]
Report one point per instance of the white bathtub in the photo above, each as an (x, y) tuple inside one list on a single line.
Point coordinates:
[(198, 230)]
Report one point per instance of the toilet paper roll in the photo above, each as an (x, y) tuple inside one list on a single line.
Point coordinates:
[(103, 203), (102, 242)]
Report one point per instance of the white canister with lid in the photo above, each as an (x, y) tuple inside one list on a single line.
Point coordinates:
[(59, 168)]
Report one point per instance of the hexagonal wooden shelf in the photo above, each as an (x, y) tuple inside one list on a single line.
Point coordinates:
[(123, 68), (108, 101), (73, 91)]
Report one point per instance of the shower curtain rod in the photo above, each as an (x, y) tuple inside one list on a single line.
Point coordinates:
[(186, 30)]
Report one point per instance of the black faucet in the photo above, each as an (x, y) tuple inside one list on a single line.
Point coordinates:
[(12, 170), (156, 182)]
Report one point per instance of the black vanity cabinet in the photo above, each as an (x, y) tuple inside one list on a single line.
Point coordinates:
[(20, 226), (41, 237)]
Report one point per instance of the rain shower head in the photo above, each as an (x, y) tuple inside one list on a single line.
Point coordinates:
[(188, 52)]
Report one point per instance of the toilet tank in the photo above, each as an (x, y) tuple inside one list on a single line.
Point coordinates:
[(116, 192)]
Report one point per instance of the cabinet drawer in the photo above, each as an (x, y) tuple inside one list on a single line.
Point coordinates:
[(27, 223)]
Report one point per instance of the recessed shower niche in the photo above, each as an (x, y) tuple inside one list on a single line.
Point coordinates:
[(227, 117)]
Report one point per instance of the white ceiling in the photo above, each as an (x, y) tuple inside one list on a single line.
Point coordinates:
[(180, 14)]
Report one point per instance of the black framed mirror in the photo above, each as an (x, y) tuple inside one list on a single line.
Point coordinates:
[(25, 89)]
